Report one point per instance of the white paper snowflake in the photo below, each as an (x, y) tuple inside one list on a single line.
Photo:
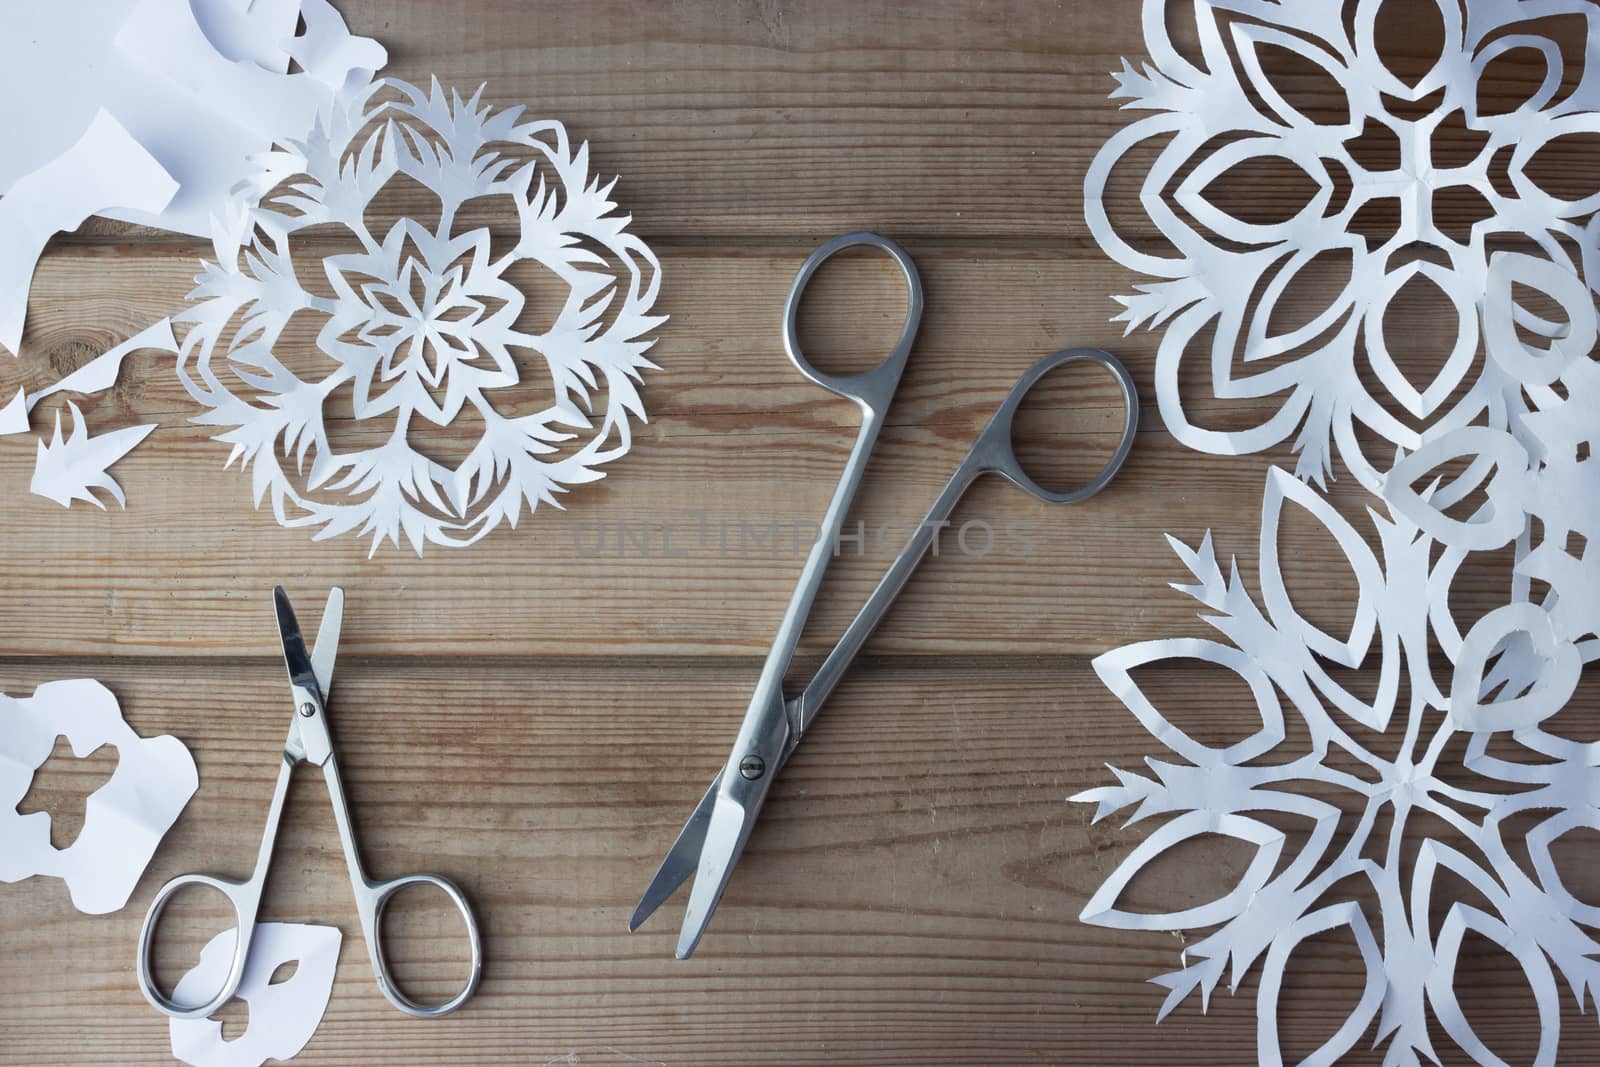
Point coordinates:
[(1410, 964), (1214, 118), (424, 322), (1497, 453)]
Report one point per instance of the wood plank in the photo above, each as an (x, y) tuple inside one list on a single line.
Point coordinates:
[(933, 119), (911, 895), (535, 716), (693, 541)]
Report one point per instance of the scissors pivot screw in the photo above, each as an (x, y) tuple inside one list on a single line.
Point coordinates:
[(752, 767), (308, 709)]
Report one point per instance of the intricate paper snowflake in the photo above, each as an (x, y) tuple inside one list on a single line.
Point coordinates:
[(423, 322), (1410, 964), (1498, 453), (1336, 371)]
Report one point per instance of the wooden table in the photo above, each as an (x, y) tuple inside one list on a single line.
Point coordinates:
[(536, 715)]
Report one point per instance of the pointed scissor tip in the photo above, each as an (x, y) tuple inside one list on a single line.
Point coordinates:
[(286, 616), (689, 936), (287, 619), (647, 907)]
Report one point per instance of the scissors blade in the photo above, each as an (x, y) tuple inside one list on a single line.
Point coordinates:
[(681, 861), (309, 740), (746, 779), (326, 649), (302, 673), (727, 831)]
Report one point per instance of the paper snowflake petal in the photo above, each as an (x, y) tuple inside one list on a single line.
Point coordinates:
[(71, 469)]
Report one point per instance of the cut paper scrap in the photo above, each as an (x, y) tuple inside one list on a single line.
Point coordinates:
[(60, 196), (96, 376), (187, 112), (162, 38), (422, 331), (329, 52), (284, 1014), (124, 820), (253, 31), (235, 109), (71, 469), (199, 111), (1333, 380), (1296, 889)]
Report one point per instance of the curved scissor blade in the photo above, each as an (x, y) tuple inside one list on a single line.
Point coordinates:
[(326, 650), (309, 739), (302, 673), (726, 833), (722, 821), (681, 861)]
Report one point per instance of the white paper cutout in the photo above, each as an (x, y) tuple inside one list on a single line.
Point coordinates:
[(422, 323), (1500, 451), (283, 1016), (328, 52), (182, 109), (254, 31), (71, 469), (1537, 475), (124, 820), (63, 193), (1210, 282), (199, 111), (96, 376), (1403, 601)]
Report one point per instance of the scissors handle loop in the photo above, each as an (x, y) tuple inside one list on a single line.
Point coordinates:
[(995, 450), (243, 897), (872, 389), (373, 898), (373, 903), (992, 453)]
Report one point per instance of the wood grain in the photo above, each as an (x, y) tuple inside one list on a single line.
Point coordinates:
[(691, 543), (535, 716), (936, 119), (910, 896)]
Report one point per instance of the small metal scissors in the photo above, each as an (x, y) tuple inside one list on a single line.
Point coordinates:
[(310, 678), (711, 841)]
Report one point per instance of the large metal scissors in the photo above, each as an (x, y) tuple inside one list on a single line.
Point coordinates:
[(310, 678), (714, 837)]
